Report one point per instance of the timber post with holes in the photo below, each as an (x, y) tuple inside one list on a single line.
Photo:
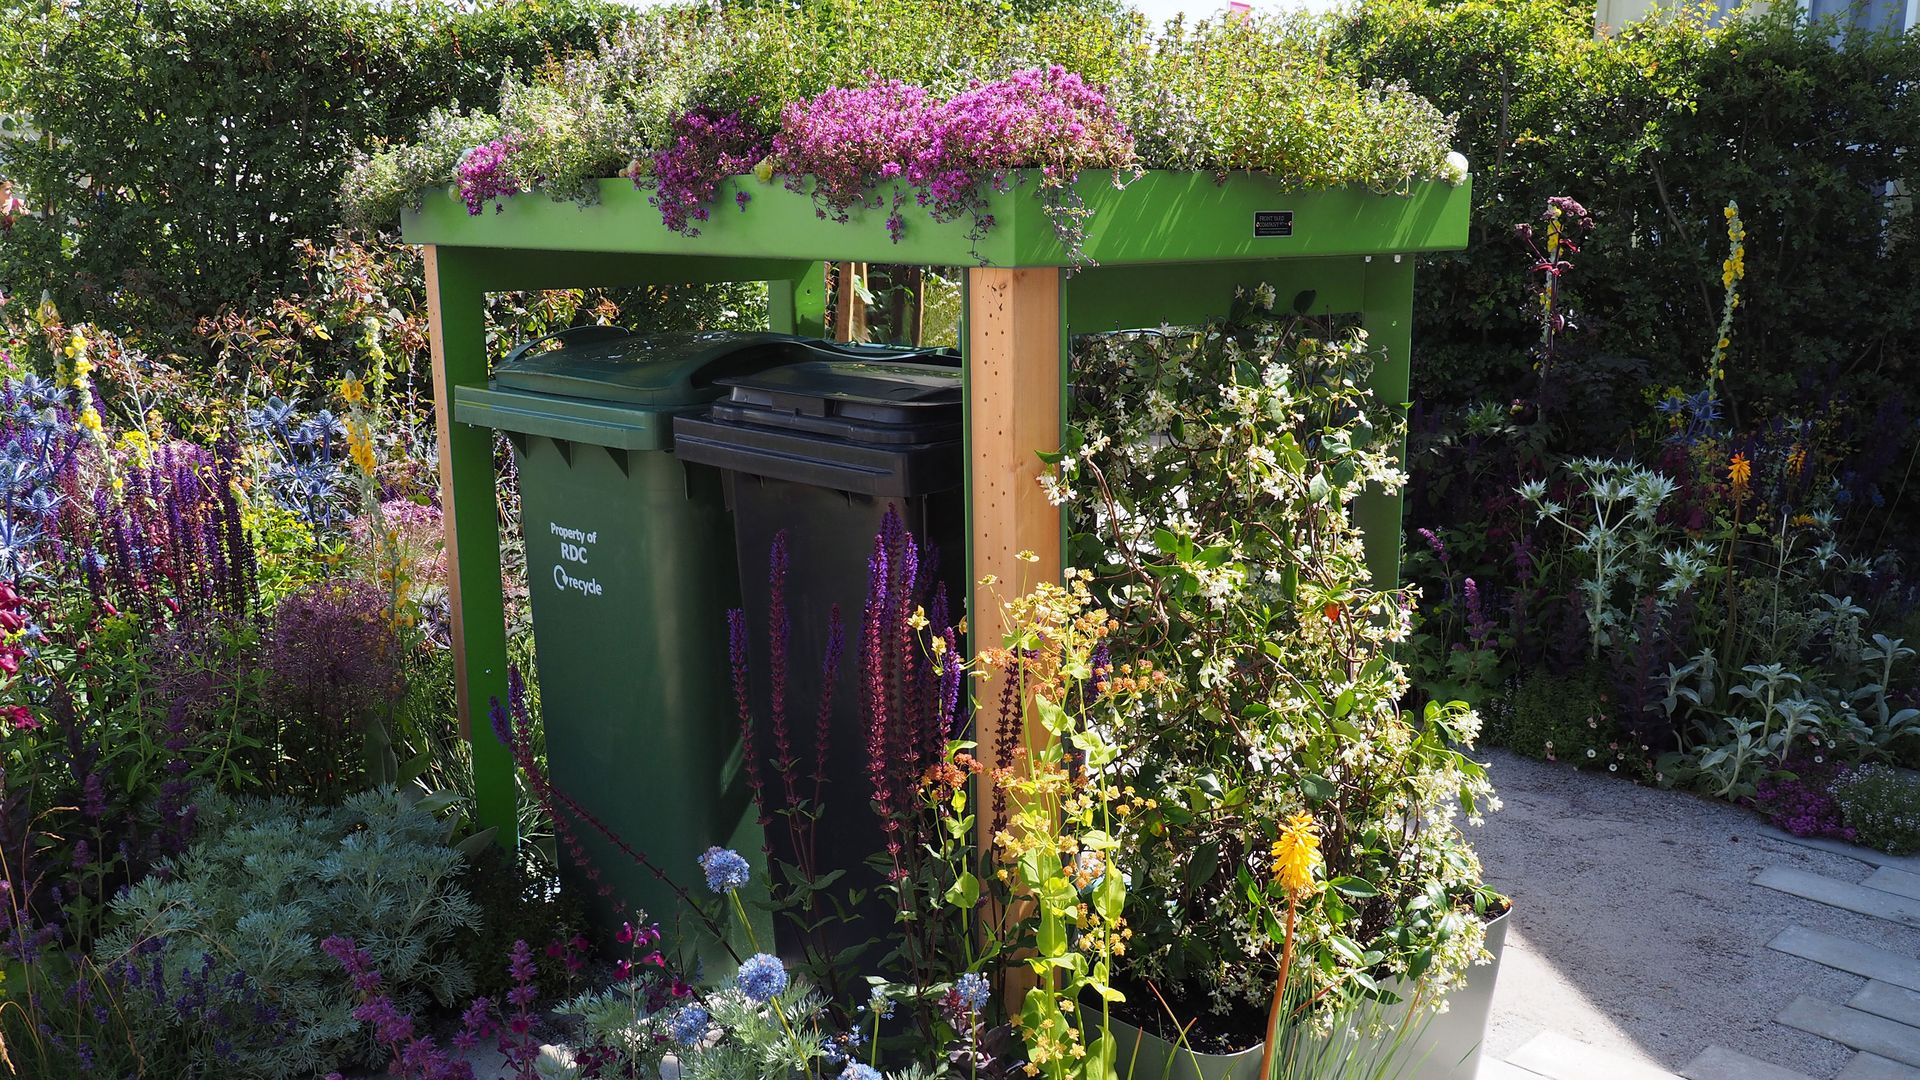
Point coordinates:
[(1168, 249)]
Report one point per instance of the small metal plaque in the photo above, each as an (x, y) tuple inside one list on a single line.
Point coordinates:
[(1272, 223)]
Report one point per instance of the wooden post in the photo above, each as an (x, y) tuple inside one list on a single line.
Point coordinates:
[(1015, 359), (1387, 314), (849, 311), (456, 325)]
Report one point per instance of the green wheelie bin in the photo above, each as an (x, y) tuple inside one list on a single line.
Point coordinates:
[(630, 563)]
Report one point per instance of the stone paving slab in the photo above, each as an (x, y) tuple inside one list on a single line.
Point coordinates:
[(1841, 894), (1875, 1067), (1901, 882), (1909, 863), (1848, 955), (1851, 1027), (1557, 1057), (1892, 1002), (1720, 1063), (1495, 1069)]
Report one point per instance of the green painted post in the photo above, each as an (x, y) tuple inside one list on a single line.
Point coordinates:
[(456, 298), (799, 306), (1387, 313)]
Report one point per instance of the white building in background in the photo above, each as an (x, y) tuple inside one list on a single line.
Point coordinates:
[(1866, 14)]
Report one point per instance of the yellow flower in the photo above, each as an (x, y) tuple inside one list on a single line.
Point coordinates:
[(360, 448), (1296, 855), (1740, 471), (90, 420), (918, 620), (76, 344), (352, 390)]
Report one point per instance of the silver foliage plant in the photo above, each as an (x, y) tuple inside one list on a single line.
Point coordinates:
[(249, 903)]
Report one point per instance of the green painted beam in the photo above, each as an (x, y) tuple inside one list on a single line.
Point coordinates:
[(1159, 217), (520, 269), (1105, 298)]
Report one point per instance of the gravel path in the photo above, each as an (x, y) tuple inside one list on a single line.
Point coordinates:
[(1637, 926)]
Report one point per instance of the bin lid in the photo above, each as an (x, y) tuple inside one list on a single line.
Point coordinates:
[(620, 367), (868, 401)]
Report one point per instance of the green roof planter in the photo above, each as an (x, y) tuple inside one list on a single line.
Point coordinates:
[(1159, 217)]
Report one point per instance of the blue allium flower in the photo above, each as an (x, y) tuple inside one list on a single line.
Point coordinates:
[(762, 978), (857, 1071), (973, 991), (689, 1025), (726, 870)]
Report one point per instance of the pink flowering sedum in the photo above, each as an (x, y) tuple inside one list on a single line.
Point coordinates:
[(483, 175), (1040, 118), (707, 147), (851, 140)]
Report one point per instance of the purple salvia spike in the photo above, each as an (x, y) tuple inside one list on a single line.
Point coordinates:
[(829, 676)]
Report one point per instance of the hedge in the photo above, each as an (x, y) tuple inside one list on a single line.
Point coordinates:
[(1655, 130), (177, 148)]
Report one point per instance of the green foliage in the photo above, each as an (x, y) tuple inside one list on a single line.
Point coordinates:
[(1881, 805), (1655, 130), (1566, 718), (1221, 95), (263, 885), (178, 148), (1211, 474)]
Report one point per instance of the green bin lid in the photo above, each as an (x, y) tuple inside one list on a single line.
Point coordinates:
[(617, 366)]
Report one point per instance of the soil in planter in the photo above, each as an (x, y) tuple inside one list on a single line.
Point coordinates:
[(1211, 1032)]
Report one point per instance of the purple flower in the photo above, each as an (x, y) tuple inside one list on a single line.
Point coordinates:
[(1479, 627), (483, 176), (704, 147), (762, 978)]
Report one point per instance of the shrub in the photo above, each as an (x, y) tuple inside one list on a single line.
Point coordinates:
[(184, 145), (1210, 476), (1655, 129), (1881, 805), (249, 902)]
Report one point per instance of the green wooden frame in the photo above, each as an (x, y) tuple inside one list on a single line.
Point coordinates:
[(1165, 248)]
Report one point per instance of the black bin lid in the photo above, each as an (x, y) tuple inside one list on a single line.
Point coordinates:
[(878, 402)]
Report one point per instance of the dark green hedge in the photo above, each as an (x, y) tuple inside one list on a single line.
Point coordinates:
[(1655, 131), (180, 146)]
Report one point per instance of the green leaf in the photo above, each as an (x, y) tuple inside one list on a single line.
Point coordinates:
[(964, 893), (1110, 895), (1354, 886)]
